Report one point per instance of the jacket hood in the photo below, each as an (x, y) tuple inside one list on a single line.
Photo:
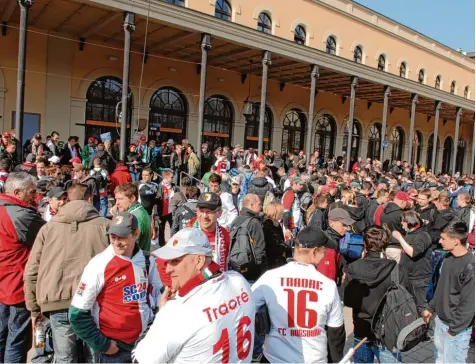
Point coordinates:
[(122, 168), (377, 271), (260, 181), (391, 207), (78, 211)]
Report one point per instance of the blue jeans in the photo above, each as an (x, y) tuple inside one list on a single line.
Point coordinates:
[(450, 349), (15, 333), (64, 338), (135, 176), (122, 356), (367, 352), (101, 205)]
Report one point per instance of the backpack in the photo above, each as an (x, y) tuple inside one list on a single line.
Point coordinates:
[(242, 256), (101, 183), (351, 245), (396, 322), (268, 197)]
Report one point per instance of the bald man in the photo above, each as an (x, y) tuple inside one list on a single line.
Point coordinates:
[(248, 224)]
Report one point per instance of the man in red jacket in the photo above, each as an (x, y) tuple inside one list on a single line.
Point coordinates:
[(19, 225), (120, 176)]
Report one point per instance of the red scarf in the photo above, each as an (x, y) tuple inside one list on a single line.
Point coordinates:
[(37, 152), (204, 276)]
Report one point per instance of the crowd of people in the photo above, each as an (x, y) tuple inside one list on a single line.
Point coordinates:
[(224, 256)]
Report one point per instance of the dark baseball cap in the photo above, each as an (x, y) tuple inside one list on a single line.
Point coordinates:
[(56, 192), (312, 237), (209, 200), (339, 214), (123, 224)]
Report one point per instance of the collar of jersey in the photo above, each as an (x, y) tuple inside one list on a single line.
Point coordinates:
[(208, 272)]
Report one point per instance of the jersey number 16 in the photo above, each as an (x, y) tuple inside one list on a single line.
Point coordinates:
[(242, 335), (297, 303)]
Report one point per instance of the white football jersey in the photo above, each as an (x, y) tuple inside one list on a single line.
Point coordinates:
[(213, 323), (301, 302)]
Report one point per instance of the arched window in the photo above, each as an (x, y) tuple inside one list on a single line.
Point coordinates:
[(397, 138), (264, 23), (300, 35), (331, 45), (375, 140), (356, 136), (293, 131), (358, 54), (381, 62), (429, 153), (466, 92), (324, 135), (438, 82), (252, 128), (460, 153), (103, 97), (403, 69), (447, 152), (417, 147), (167, 115), (217, 121), (453, 87), (176, 2), (421, 76), (223, 10)]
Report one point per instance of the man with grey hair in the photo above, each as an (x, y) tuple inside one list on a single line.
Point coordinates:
[(19, 225)]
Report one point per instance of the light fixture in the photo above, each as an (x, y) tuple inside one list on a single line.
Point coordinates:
[(248, 104)]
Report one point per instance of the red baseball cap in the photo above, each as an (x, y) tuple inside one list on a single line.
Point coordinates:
[(75, 160), (6, 134), (333, 185), (412, 192), (92, 139), (402, 196), (324, 190), (143, 138)]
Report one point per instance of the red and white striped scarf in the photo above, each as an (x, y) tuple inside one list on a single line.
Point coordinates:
[(220, 246)]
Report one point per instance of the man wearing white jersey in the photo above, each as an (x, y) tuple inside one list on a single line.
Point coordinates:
[(209, 319), (307, 320)]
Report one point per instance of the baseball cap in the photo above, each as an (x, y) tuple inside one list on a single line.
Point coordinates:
[(412, 193), (324, 190), (56, 192), (209, 200), (122, 224), (311, 237), (355, 185), (54, 159), (402, 196), (170, 141), (339, 214), (143, 138), (297, 180), (92, 139), (75, 160), (186, 241), (333, 185), (6, 134)]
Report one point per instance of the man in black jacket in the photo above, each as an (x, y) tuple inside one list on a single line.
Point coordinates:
[(453, 302), (443, 216), (381, 198), (391, 220), (252, 210), (425, 208)]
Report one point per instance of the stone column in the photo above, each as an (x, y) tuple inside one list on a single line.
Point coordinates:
[(459, 111), (435, 135), (205, 46), (266, 61), (78, 116), (414, 101), (277, 138), (386, 94), (439, 160), (350, 124), (310, 118)]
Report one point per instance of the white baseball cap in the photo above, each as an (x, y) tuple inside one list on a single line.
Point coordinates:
[(186, 241)]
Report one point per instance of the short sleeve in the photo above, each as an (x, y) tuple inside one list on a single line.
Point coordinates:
[(335, 317)]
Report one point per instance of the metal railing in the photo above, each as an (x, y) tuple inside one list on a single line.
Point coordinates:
[(199, 183)]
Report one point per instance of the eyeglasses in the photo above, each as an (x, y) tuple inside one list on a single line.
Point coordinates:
[(207, 212)]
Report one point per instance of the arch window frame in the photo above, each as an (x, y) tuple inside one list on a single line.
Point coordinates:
[(356, 139), (466, 92), (265, 23), (223, 10), (252, 127), (374, 141), (220, 121), (421, 76), (397, 139), (403, 70), (417, 147), (382, 62), (300, 34), (453, 87), (325, 130), (168, 104), (293, 136), (358, 54), (447, 153), (438, 82), (331, 45)]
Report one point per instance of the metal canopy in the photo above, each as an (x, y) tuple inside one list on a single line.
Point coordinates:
[(174, 32)]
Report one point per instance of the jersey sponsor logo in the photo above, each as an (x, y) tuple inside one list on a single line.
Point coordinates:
[(134, 292), (81, 288)]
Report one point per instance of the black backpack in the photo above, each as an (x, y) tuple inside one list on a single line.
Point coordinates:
[(99, 180), (396, 322), (242, 255)]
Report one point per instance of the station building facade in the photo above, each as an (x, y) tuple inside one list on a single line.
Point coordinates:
[(74, 70)]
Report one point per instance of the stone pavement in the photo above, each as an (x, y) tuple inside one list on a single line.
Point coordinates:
[(422, 353)]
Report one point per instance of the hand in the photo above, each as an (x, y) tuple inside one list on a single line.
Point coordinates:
[(34, 319), (113, 348), (114, 210), (396, 234), (426, 316), (166, 296)]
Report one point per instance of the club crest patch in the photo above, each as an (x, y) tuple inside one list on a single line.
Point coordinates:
[(207, 197), (118, 220), (174, 243)]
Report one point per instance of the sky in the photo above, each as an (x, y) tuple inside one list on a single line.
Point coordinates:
[(450, 22)]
